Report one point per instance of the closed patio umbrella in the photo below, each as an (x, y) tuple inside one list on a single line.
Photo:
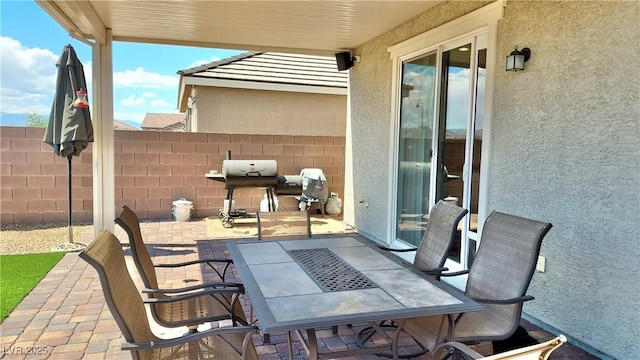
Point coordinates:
[(69, 130)]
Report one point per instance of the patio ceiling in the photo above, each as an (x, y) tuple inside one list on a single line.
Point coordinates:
[(315, 27)]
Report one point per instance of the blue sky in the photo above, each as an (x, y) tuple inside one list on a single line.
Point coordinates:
[(145, 79)]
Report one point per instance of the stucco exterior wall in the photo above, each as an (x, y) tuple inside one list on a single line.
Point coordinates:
[(241, 111), (565, 148)]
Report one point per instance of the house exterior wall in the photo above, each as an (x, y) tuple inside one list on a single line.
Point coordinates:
[(576, 120), (236, 111), (152, 169), (565, 148)]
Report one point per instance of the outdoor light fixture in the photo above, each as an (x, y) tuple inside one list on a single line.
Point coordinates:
[(517, 58)]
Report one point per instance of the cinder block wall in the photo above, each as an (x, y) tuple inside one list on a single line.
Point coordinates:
[(152, 170)]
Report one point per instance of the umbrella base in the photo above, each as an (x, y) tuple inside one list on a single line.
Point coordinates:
[(69, 247)]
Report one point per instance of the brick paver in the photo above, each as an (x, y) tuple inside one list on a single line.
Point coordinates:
[(66, 317)]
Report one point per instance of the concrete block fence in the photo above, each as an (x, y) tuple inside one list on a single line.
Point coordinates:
[(152, 169)]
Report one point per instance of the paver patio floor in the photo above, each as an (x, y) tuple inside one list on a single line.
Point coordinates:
[(66, 317)]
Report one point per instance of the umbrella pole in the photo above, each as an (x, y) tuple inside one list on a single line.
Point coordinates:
[(70, 207)]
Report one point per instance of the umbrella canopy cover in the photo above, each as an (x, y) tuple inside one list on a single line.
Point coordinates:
[(69, 130)]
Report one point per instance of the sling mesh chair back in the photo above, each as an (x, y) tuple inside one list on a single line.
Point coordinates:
[(456, 350), (438, 238), (187, 306), (125, 303), (498, 279)]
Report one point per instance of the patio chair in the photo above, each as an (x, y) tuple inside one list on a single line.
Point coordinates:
[(438, 238), (498, 279), (127, 308), (283, 224), (456, 350), (206, 302), (431, 253)]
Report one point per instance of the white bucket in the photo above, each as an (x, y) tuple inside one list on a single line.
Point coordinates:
[(264, 203), (182, 210), (333, 205)]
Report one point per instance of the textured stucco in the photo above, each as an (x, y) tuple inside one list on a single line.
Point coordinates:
[(565, 148), (233, 111)]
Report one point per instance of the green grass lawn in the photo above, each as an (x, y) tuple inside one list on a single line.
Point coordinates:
[(19, 274)]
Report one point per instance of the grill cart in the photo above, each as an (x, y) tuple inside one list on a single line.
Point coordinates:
[(245, 173)]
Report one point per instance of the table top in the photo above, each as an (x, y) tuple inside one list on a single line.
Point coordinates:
[(312, 283)]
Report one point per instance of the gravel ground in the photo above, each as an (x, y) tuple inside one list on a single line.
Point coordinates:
[(37, 238)]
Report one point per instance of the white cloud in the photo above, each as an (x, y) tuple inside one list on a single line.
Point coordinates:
[(132, 101), (139, 78), (203, 61), (28, 82), (28, 77)]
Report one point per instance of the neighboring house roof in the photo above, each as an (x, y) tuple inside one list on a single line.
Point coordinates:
[(267, 71), (117, 125), (163, 122)]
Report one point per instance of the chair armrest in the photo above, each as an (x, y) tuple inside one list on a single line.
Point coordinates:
[(205, 286), (192, 262), (453, 347), (434, 271), (226, 262), (189, 337), (512, 301), (396, 250), (455, 273), (186, 296)]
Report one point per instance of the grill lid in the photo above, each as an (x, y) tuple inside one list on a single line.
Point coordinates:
[(250, 172)]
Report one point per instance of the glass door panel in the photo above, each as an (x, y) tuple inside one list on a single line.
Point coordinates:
[(453, 127), (417, 114), (476, 153)]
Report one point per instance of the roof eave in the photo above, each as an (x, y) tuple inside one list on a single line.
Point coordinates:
[(267, 86)]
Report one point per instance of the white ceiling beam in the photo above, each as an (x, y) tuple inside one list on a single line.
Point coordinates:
[(90, 19)]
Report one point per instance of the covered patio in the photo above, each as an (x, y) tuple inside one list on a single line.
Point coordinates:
[(66, 317), (552, 134), (302, 27)]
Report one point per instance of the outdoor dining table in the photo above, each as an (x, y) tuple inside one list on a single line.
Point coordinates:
[(308, 284)]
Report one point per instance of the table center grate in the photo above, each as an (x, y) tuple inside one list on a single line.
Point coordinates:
[(329, 271)]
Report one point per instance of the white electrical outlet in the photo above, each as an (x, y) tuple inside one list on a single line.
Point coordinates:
[(542, 262)]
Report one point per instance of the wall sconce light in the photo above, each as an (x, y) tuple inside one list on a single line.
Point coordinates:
[(517, 58)]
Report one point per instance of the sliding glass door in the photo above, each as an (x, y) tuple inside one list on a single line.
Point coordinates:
[(440, 138)]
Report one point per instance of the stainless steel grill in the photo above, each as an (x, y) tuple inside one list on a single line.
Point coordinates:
[(329, 271)]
